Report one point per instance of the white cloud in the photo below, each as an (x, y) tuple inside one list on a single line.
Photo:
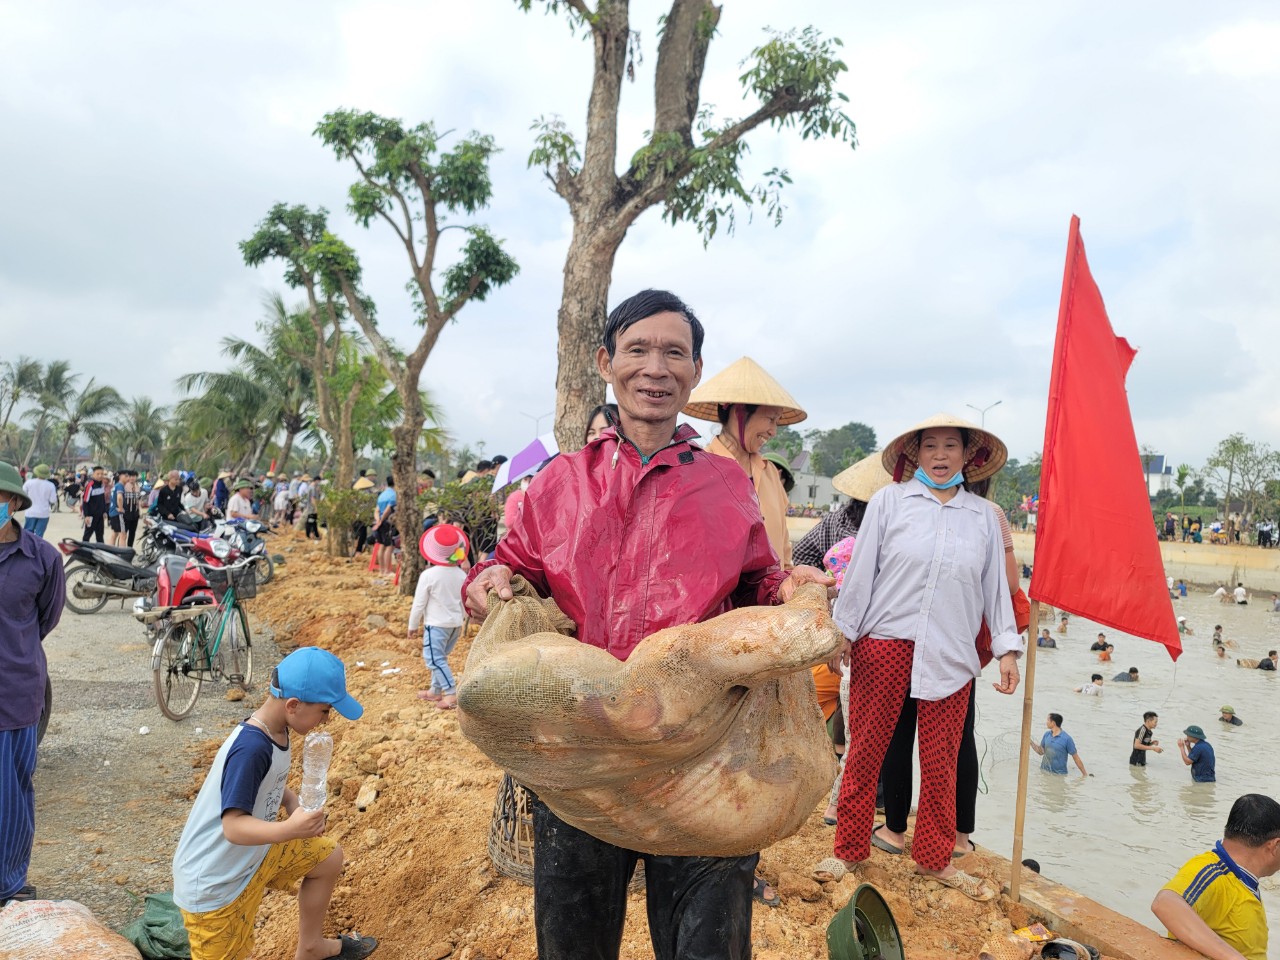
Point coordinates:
[(918, 272)]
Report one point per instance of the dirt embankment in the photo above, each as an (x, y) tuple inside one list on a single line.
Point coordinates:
[(418, 874)]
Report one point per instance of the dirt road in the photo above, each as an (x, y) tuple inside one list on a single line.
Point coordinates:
[(110, 801)]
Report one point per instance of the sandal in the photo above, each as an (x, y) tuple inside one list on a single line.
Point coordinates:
[(829, 870), (972, 887), (447, 702), (26, 893), (759, 887), (429, 695), (355, 947), (885, 845), (958, 854)]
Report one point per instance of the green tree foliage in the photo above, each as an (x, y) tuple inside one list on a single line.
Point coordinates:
[(834, 450), (86, 411), (419, 187), (788, 441)]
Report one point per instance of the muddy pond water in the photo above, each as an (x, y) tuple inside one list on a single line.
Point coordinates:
[(1120, 834)]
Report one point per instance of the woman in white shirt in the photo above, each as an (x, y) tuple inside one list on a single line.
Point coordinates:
[(928, 567)]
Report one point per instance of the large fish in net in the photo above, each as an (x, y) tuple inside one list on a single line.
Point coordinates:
[(707, 741)]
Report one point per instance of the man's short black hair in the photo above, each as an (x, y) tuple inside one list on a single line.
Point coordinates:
[(1032, 865), (499, 460), (1056, 718), (1271, 653), (391, 481), (1096, 676), (1150, 715), (97, 467), (484, 465), (1254, 819), (1133, 670), (428, 472), (645, 304)]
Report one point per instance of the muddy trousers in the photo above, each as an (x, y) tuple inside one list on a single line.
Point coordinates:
[(699, 907), (879, 680), (17, 807), (896, 772)]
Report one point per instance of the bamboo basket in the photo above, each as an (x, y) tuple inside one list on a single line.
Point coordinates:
[(511, 836)]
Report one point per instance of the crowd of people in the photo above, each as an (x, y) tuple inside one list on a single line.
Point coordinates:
[(919, 564), (1232, 529)]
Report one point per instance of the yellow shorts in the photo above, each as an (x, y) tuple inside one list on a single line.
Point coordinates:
[(227, 933)]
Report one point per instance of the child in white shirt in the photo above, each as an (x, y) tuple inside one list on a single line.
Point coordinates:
[(437, 608)]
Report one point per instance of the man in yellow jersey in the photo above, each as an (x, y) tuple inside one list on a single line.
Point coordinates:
[(1212, 904)]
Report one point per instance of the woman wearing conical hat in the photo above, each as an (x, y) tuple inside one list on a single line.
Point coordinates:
[(750, 405), (928, 568)]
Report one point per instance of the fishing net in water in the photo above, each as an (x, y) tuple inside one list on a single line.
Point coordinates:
[(708, 741)]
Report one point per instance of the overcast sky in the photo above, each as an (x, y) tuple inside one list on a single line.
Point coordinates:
[(918, 273)]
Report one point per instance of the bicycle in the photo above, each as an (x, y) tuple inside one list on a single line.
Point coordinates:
[(198, 641)]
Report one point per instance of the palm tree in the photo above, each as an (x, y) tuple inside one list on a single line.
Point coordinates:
[(56, 388), (271, 377), (86, 411), (20, 380), (139, 429)]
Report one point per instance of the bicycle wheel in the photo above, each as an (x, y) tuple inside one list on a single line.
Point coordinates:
[(239, 648), (175, 664), (78, 575)]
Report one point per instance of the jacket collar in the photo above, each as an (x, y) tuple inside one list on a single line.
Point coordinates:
[(684, 434), (26, 541)]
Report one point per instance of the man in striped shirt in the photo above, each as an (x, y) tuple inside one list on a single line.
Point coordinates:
[(1212, 904)]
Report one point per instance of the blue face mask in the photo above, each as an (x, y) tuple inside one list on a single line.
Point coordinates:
[(928, 481), (4, 513)]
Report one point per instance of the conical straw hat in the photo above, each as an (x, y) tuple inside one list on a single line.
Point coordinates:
[(863, 479), (743, 381), (983, 457)]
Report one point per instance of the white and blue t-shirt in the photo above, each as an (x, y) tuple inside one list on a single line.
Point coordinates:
[(249, 774)]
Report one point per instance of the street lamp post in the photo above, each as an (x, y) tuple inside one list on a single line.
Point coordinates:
[(981, 410), (537, 421)]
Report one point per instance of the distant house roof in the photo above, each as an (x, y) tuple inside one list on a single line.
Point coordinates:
[(801, 462), (1157, 465)]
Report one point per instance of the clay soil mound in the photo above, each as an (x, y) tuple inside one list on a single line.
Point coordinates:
[(418, 875)]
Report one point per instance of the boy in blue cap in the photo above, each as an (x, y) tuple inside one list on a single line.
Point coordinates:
[(234, 845)]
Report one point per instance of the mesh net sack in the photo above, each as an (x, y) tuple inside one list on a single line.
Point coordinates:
[(708, 741)]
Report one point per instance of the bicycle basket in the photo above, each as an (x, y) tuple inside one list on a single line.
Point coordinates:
[(244, 579)]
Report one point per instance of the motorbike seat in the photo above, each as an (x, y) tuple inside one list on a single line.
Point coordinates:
[(184, 525), (126, 553), (195, 600)]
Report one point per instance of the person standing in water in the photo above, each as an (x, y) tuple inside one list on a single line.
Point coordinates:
[(1142, 742)]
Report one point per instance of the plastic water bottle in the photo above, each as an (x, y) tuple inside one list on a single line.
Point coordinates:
[(317, 751)]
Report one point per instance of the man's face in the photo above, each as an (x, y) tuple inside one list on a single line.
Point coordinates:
[(652, 370), (173, 478), (1152, 723), (97, 475)]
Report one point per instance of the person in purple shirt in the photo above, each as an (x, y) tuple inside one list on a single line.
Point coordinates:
[(30, 607)]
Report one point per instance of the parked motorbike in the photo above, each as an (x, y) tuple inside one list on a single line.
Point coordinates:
[(181, 588), (96, 573), (246, 536), (171, 536)]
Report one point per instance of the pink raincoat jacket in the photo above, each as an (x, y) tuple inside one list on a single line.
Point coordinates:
[(627, 548)]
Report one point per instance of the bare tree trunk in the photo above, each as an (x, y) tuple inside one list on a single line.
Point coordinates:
[(286, 449), (404, 468), (35, 440), (584, 304), (66, 442)]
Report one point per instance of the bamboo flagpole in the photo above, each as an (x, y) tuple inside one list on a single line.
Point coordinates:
[(1024, 759)]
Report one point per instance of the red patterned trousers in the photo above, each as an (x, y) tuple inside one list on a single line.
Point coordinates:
[(879, 678)]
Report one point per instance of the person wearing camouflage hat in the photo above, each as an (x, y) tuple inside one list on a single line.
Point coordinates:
[(31, 604)]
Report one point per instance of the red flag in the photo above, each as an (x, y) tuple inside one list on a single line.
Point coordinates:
[(1096, 549)]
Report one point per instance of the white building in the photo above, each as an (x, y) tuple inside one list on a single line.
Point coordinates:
[(812, 489), (1159, 476)]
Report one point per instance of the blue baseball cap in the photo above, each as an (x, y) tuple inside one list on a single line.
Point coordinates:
[(315, 676)]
